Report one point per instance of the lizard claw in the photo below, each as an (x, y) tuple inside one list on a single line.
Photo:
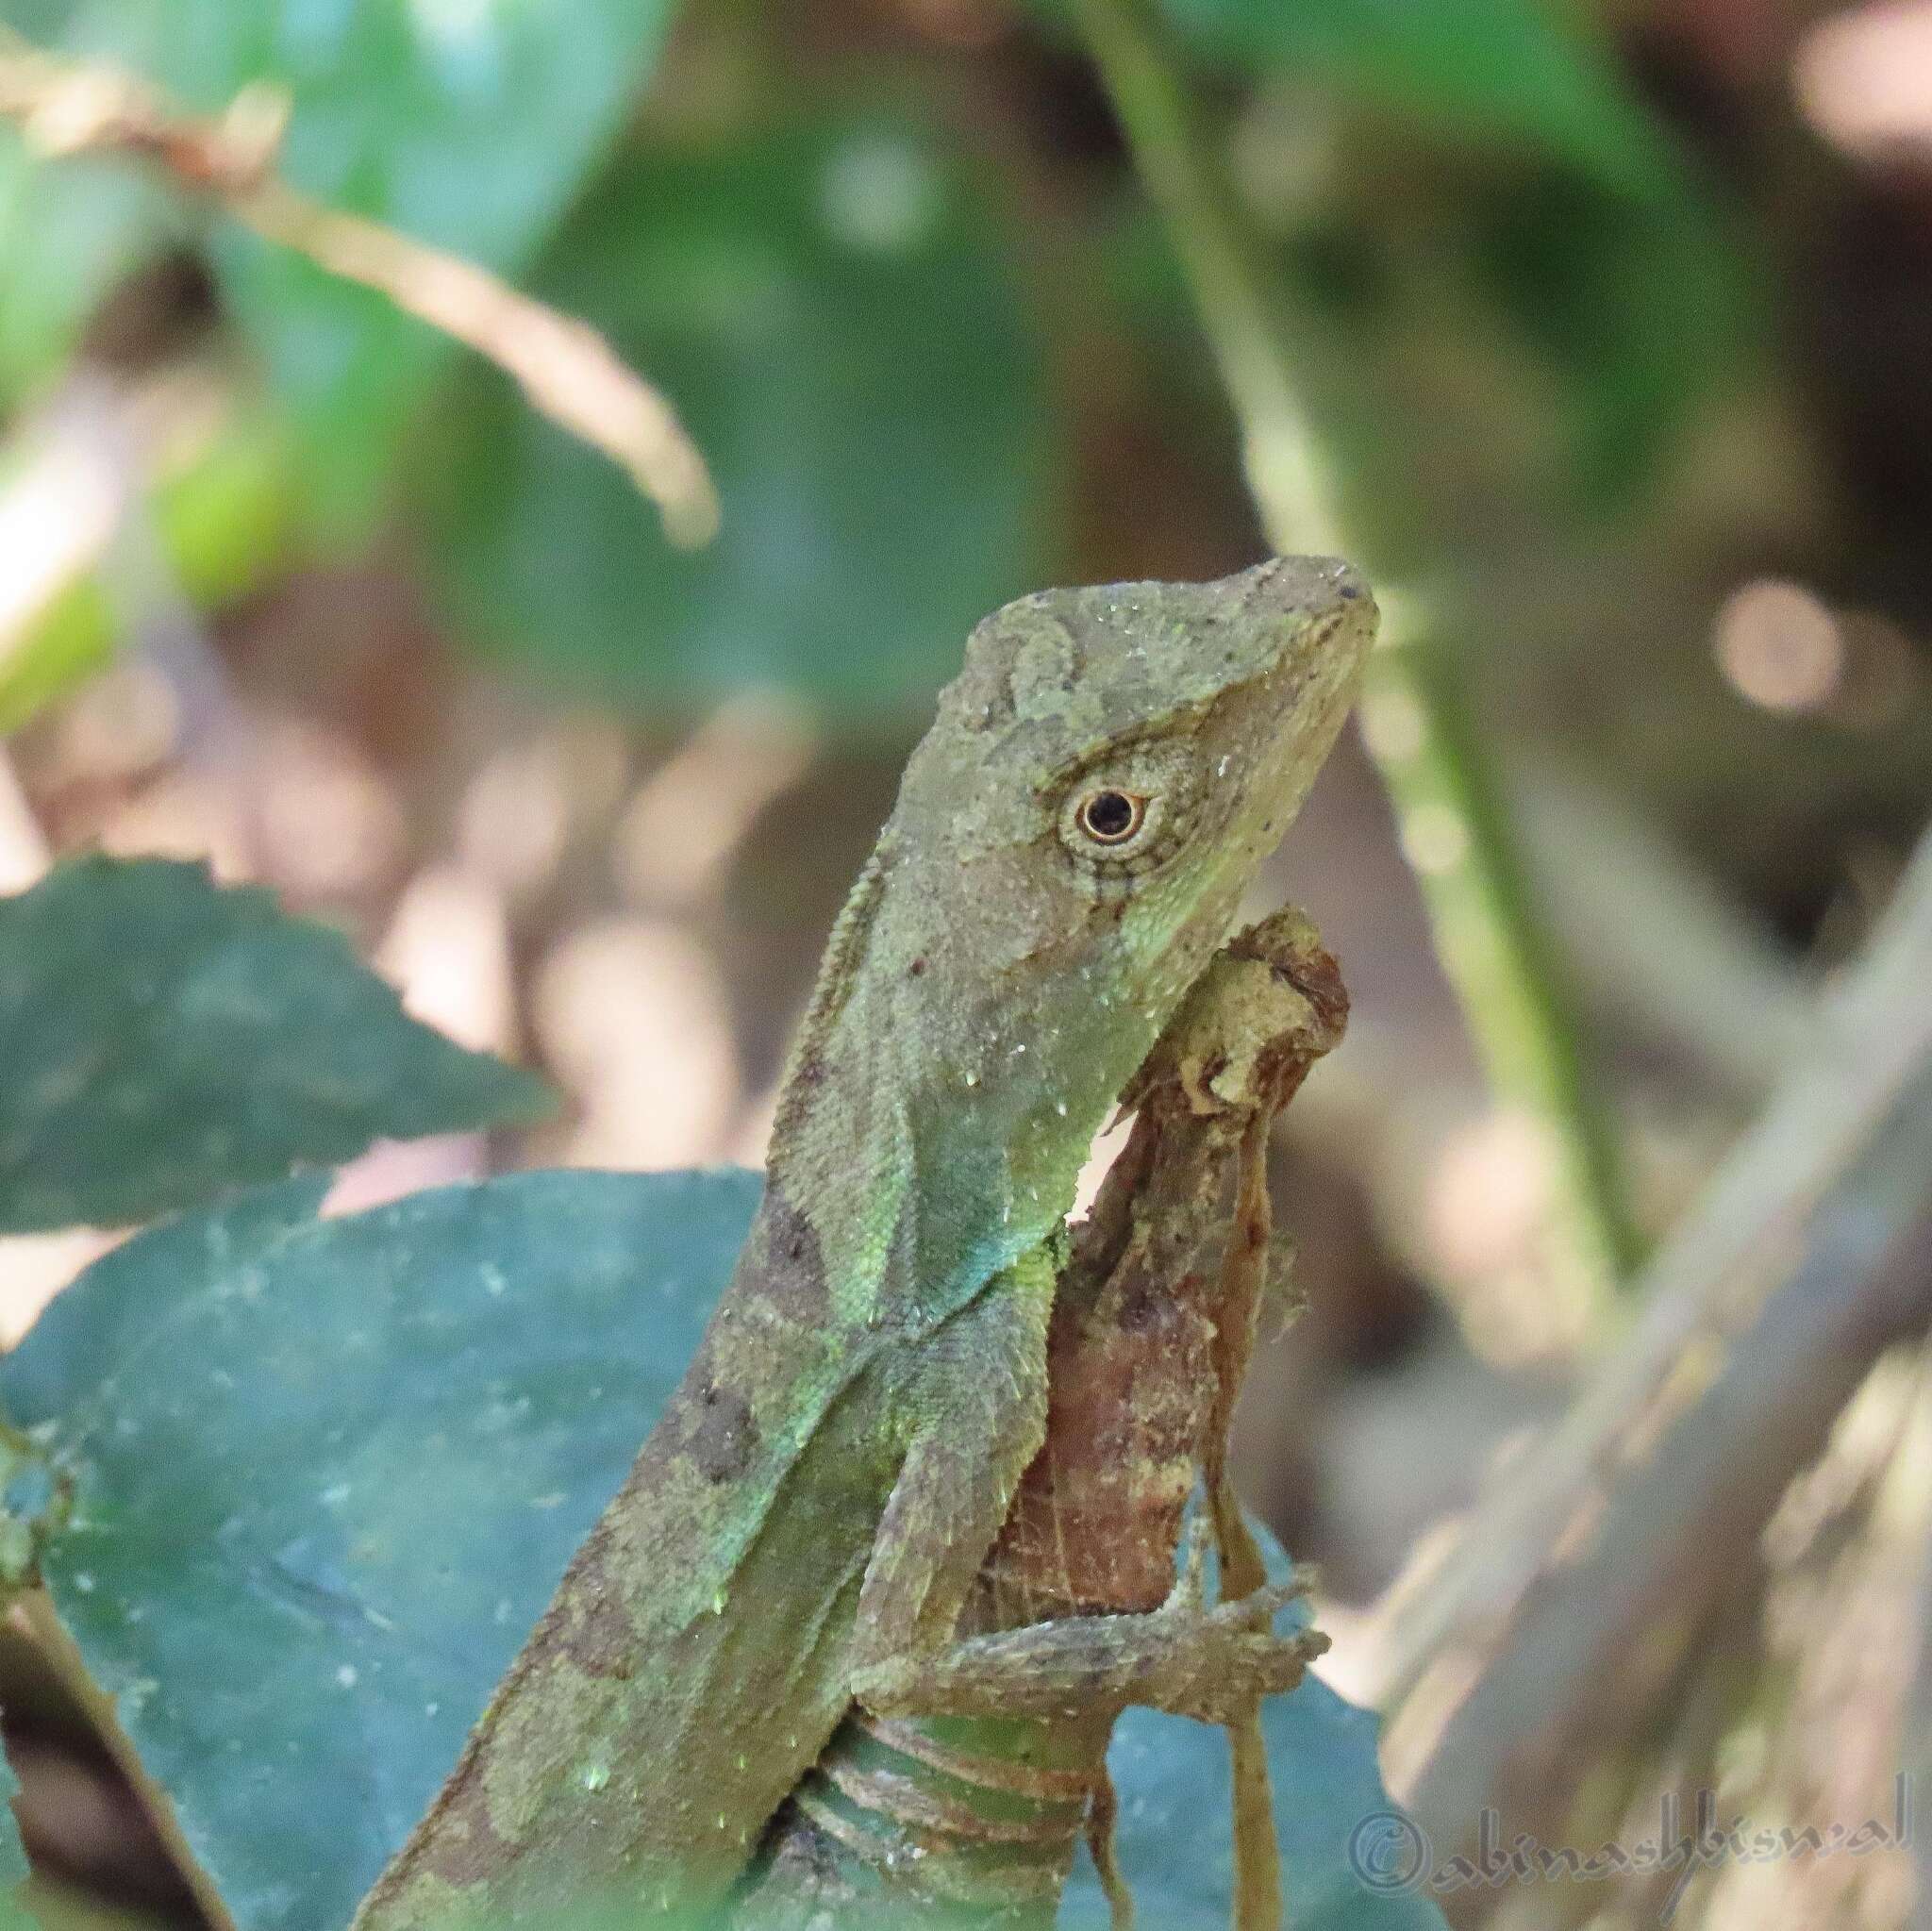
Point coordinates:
[(1226, 1668), (1259, 1610), (1187, 1601)]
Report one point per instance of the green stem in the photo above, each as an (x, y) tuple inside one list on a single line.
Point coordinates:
[(1456, 835)]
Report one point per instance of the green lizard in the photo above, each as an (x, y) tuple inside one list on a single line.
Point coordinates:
[(1069, 846)]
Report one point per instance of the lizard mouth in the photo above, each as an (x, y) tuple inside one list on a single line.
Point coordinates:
[(1313, 622), (1308, 623)]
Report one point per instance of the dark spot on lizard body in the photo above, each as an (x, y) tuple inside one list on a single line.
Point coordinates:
[(724, 1436), (710, 1424), (788, 1266), (468, 1850), (598, 1635), (712, 1420)]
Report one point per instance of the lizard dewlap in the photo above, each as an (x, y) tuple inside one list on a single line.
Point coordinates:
[(1069, 846)]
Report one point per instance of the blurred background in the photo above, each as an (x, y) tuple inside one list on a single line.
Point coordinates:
[(1600, 334)]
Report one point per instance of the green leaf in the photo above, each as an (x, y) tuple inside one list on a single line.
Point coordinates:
[(68, 234), (831, 310), (1639, 313), (328, 1472), (1507, 71), (469, 124), (165, 1039), (71, 637), (327, 1475)]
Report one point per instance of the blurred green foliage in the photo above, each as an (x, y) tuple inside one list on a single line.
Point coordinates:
[(470, 127), (226, 522), (70, 236), (1521, 73), (834, 296), (830, 306)]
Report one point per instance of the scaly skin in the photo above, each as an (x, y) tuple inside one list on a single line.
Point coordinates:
[(815, 1501)]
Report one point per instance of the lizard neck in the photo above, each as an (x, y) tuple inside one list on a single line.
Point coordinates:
[(912, 1202), (931, 1127)]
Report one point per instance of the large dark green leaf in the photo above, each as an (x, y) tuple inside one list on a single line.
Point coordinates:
[(164, 1039), (831, 313), (327, 1473), (466, 123), (1638, 310)]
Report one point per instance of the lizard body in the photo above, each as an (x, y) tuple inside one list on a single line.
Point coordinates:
[(1069, 846)]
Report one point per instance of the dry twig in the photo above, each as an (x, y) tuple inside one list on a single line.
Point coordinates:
[(1574, 1594), (1744, 1240), (563, 366)]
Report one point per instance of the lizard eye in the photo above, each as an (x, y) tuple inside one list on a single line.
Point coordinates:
[(1111, 817), (1127, 813)]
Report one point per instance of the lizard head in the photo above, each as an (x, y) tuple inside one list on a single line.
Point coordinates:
[(1113, 764), (1103, 780)]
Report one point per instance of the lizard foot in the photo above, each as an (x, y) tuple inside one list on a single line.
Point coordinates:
[(1184, 1657), (1213, 1663)]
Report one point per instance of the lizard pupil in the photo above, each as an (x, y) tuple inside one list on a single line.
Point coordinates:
[(1110, 818)]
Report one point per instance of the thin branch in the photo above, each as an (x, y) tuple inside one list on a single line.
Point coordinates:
[(564, 366), (1492, 943)]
